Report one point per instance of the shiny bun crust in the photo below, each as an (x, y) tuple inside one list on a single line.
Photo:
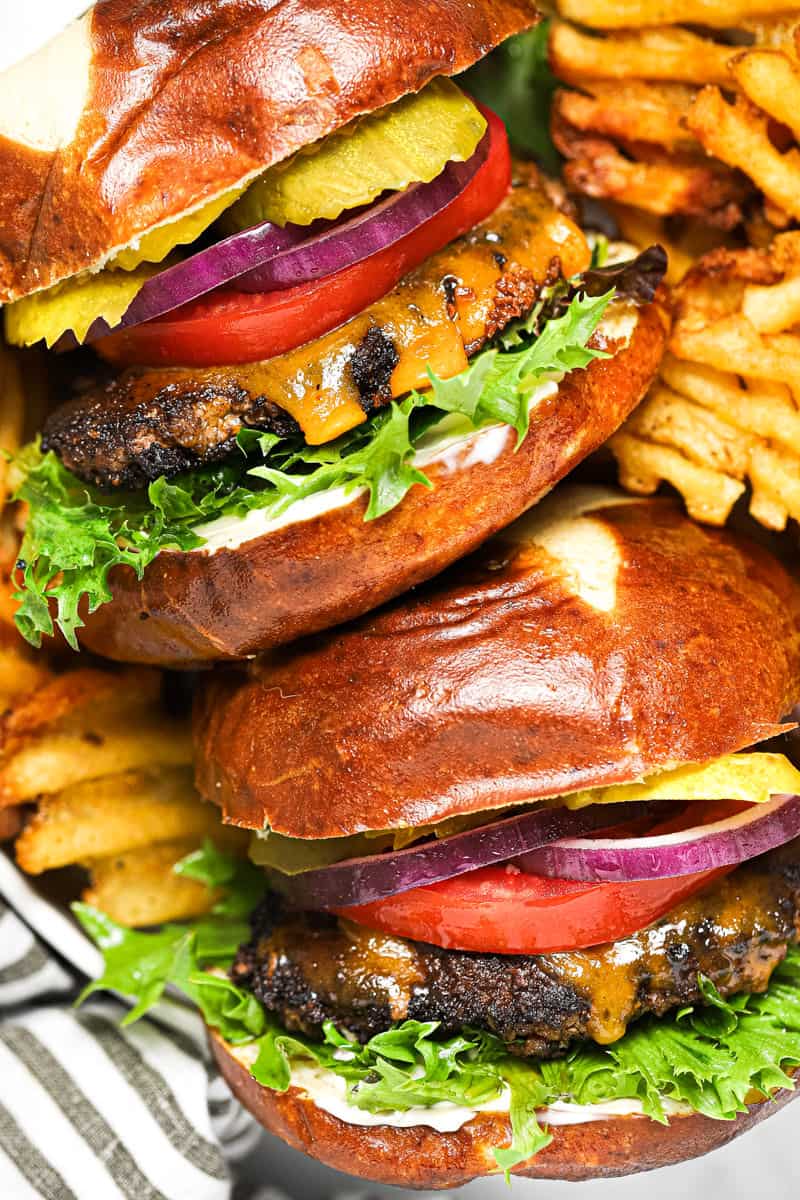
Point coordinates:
[(423, 1158), (163, 105), (598, 639), (196, 608)]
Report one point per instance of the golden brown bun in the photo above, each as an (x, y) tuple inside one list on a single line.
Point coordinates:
[(314, 574), (164, 105), (421, 1157), (598, 639)]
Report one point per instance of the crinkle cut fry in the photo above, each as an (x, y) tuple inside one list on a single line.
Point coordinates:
[(706, 430), (94, 772), (652, 179), (641, 14)]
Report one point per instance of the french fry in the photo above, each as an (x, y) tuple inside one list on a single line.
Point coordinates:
[(759, 408), (624, 14), (650, 82), (630, 112), (771, 309), (772, 81), (670, 419), (776, 32), (707, 432), (97, 818), (774, 357), (75, 695), (21, 671), (710, 326), (102, 747), (665, 53), (709, 495), (738, 134), (140, 887), (656, 181), (85, 724)]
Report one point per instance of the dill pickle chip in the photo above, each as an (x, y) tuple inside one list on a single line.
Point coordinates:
[(751, 778), (73, 305), (153, 247), (410, 141), (76, 303)]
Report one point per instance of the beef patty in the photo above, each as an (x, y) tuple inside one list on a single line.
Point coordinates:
[(311, 968), (127, 429)]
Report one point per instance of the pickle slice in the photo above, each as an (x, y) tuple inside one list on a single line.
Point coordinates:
[(74, 305), (410, 141), (153, 247), (751, 778)]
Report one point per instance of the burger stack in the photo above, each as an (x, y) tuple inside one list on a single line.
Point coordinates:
[(509, 759)]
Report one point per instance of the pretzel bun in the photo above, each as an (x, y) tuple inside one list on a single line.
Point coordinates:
[(301, 577), (597, 640), (137, 115), (421, 1157)]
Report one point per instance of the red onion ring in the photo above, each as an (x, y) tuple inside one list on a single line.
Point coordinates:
[(727, 843), (373, 877)]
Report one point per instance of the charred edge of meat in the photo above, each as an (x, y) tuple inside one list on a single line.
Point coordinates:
[(372, 364), (113, 445), (516, 293)]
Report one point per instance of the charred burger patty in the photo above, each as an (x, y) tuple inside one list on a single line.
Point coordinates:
[(312, 969)]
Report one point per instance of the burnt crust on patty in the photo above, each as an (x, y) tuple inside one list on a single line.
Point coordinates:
[(310, 968), (115, 440)]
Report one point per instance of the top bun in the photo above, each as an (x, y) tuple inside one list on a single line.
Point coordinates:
[(598, 639), (140, 113)]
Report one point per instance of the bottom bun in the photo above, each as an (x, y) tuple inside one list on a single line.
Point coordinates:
[(421, 1157)]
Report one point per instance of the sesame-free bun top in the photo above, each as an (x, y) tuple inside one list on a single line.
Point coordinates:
[(598, 639), (140, 113)]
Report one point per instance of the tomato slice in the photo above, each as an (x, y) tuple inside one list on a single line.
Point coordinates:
[(501, 910), (235, 327)]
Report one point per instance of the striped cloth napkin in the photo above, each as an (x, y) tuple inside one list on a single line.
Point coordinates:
[(90, 1111)]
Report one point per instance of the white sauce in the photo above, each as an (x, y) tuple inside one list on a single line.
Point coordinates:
[(329, 1092), (451, 442), (456, 450)]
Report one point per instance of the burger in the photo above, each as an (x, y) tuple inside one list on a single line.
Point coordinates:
[(314, 333), (525, 878)]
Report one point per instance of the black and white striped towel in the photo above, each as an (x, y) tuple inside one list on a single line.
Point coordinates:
[(90, 1111)]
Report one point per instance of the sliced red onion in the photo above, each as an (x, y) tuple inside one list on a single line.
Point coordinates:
[(372, 230), (267, 258), (757, 829), (362, 880), (202, 273)]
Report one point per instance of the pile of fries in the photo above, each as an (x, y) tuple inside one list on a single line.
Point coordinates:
[(670, 121), (707, 430), (95, 771), (684, 118)]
